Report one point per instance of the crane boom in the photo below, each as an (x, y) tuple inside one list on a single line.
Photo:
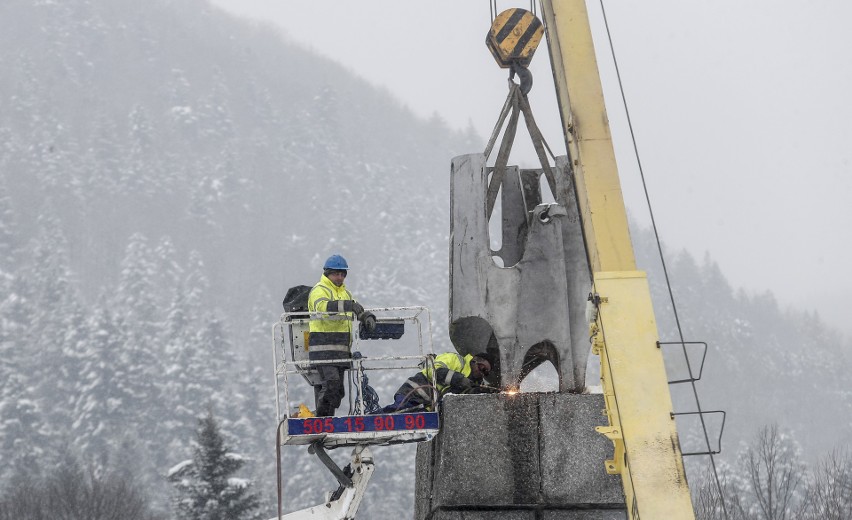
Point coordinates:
[(639, 406)]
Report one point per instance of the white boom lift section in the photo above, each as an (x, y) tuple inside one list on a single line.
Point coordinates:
[(343, 503)]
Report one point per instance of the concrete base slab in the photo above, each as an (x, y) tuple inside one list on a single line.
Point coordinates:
[(526, 453), (573, 453)]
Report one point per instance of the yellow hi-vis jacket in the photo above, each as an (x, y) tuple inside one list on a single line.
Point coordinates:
[(329, 329), (447, 367), (451, 375)]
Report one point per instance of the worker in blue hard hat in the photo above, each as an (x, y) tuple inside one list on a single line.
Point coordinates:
[(331, 332)]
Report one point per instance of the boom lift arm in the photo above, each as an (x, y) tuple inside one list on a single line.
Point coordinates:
[(343, 503), (639, 405)]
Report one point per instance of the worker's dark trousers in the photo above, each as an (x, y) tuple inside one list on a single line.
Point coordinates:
[(331, 390), (416, 390)]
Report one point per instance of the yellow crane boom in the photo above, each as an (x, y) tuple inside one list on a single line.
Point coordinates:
[(639, 407)]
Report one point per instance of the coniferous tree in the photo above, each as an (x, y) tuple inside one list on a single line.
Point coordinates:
[(178, 344), (196, 283), (21, 421), (167, 271), (52, 301), (9, 234), (198, 352), (256, 424), (206, 486), (24, 436), (216, 370), (103, 408), (75, 344), (135, 295), (136, 305)]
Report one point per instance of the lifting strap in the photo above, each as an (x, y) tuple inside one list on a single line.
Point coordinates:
[(516, 102)]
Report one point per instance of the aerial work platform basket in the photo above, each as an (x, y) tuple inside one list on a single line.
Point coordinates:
[(362, 424)]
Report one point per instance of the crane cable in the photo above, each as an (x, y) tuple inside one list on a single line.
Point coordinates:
[(662, 259), (492, 6)]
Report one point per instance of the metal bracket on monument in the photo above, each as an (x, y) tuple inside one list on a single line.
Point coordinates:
[(616, 464)]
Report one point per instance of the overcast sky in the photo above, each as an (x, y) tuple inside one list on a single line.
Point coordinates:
[(741, 112)]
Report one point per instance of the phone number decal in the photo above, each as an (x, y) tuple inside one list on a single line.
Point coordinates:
[(365, 423)]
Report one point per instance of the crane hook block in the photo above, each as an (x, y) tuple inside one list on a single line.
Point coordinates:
[(514, 37)]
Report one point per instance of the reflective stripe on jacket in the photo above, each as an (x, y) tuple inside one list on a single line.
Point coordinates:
[(329, 329)]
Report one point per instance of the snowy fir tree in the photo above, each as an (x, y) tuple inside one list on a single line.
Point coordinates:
[(23, 434), (103, 409), (206, 486)]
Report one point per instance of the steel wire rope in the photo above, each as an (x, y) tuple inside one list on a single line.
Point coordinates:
[(366, 397), (662, 259)]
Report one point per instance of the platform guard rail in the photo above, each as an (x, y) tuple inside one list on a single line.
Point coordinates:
[(357, 427)]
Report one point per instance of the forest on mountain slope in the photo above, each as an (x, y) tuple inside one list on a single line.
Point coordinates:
[(167, 172)]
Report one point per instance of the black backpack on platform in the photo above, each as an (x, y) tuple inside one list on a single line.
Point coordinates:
[(296, 299)]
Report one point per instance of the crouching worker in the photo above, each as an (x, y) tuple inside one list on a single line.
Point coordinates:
[(454, 373), (331, 334)]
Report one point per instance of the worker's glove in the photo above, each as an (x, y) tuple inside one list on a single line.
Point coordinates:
[(369, 321), (358, 309), (466, 385)]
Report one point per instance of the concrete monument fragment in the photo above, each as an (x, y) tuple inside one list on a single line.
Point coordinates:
[(524, 302)]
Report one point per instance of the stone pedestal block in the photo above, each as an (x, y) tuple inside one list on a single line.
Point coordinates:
[(573, 453), (511, 456)]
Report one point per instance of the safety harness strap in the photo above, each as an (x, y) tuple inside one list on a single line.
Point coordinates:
[(516, 102)]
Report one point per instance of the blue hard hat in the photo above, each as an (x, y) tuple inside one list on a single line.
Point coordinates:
[(335, 262)]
